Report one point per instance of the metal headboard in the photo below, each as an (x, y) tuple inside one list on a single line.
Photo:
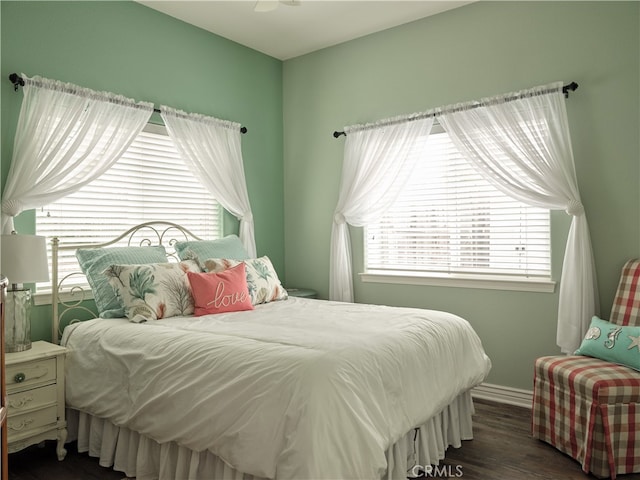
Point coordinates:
[(66, 301)]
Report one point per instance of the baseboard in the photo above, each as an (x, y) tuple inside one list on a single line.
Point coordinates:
[(502, 394)]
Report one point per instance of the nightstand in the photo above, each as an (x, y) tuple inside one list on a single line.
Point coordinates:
[(302, 292), (35, 394)]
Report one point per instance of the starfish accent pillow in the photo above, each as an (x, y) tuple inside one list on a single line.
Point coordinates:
[(613, 343)]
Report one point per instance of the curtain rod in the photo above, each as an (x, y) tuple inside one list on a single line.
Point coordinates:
[(18, 81), (565, 89)]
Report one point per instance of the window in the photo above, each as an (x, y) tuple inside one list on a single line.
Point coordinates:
[(149, 182), (451, 223)]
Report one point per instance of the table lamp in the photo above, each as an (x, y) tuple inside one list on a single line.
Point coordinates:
[(24, 260)]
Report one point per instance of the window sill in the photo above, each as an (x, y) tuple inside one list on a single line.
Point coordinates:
[(460, 281)]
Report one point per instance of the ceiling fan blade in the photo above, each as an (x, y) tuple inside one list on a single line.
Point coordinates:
[(265, 5)]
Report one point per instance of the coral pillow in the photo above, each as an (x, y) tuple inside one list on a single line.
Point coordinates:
[(220, 292)]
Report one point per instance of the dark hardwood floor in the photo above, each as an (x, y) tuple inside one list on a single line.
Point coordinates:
[(41, 463), (502, 449)]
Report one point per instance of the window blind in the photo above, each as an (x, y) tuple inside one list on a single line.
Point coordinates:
[(150, 182), (449, 220)]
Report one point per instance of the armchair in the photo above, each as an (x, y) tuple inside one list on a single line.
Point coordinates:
[(589, 408)]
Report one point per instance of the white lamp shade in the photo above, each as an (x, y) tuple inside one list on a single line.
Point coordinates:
[(24, 258)]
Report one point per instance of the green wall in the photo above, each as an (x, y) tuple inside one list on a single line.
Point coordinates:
[(482, 49), (127, 48)]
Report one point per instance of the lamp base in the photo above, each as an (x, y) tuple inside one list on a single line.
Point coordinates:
[(18, 348), (17, 321)]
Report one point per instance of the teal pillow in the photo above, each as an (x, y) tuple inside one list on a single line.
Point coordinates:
[(200, 250), (94, 261), (612, 342)]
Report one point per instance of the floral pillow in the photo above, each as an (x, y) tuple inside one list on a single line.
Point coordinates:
[(262, 279), (93, 261), (153, 291)]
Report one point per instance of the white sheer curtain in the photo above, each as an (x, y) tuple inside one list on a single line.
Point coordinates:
[(378, 160), (66, 137), (211, 149), (531, 129)]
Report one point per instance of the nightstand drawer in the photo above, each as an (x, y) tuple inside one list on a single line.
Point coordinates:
[(31, 373), (33, 399), (25, 422)]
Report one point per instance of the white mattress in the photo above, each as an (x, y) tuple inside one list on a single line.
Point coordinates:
[(293, 389)]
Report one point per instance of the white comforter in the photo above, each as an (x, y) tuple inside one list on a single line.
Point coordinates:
[(291, 390)]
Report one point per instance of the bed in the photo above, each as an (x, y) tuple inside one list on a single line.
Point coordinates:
[(288, 388)]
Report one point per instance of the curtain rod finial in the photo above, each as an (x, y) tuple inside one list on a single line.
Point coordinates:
[(338, 134), (572, 86), (17, 80)]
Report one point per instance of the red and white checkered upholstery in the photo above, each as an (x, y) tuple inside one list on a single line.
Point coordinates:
[(589, 408), (626, 304)]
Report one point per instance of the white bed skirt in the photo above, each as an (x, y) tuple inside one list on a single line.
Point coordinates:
[(145, 459)]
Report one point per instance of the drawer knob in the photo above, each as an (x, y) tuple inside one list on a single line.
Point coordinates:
[(19, 378)]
